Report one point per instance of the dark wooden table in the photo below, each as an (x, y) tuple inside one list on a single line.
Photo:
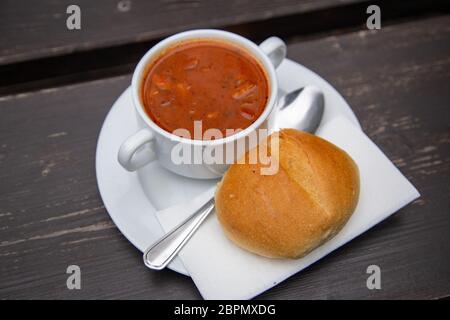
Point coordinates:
[(56, 86)]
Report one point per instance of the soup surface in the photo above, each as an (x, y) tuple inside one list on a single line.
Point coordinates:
[(210, 81)]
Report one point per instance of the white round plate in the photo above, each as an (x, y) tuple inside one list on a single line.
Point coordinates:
[(132, 199)]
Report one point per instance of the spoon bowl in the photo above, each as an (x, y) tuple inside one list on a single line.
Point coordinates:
[(309, 101)]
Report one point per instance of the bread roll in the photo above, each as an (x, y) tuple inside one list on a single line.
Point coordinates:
[(288, 214)]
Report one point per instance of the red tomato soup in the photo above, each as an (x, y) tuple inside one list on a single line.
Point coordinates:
[(211, 81)]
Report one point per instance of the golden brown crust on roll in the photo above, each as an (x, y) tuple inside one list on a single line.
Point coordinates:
[(304, 204)]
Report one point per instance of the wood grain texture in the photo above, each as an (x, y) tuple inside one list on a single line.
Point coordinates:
[(36, 31), (51, 215)]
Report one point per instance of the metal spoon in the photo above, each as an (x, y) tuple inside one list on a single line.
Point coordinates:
[(310, 101)]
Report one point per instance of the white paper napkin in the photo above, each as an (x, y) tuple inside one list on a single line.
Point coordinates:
[(221, 270)]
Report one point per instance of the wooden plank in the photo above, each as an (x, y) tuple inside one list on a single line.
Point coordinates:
[(36, 30), (84, 64), (51, 215), (396, 80)]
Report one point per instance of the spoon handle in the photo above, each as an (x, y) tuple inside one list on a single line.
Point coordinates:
[(159, 255)]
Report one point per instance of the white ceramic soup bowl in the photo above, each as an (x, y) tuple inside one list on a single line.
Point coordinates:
[(152, 143)]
